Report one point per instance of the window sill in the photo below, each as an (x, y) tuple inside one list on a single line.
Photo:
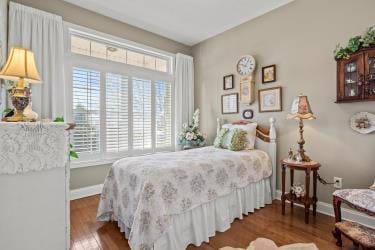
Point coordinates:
[(92, 163), (77, 163)]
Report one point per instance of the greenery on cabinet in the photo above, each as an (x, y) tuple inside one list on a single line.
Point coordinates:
[(356, 43), (72, 153)]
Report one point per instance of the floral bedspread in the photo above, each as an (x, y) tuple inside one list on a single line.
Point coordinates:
[(144, 192)]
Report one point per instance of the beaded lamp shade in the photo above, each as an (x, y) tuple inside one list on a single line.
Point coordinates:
[(301, 109)]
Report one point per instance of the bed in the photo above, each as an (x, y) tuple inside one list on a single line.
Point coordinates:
[(170, 200)]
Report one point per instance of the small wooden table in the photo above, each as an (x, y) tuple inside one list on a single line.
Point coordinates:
[(307, 167)]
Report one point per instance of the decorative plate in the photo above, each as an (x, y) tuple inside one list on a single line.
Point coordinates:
[(363, 122)]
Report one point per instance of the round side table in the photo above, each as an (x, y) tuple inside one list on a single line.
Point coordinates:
[(306, 200)]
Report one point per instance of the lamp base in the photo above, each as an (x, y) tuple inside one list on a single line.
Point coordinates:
[(18, 117), (301, 157), (301, 152), (20, 102)]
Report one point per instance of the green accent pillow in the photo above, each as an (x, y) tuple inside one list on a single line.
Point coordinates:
[(234, 139), (219, 137), (238, 140)]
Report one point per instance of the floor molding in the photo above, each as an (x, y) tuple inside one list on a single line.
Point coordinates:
[(347, 214), (85, 192)]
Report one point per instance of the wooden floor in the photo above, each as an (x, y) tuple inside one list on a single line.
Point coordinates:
[(87, 233)]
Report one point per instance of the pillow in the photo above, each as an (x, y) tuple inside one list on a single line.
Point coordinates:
[(250, 128), (219, 137), (234, 140)]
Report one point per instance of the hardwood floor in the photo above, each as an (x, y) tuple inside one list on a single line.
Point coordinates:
[(87, 233)]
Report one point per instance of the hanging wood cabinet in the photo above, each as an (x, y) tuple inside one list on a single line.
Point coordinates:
[(356, 77)]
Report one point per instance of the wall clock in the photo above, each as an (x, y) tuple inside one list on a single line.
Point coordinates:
[(245, 67)]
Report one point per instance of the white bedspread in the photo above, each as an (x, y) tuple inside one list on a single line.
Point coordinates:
[(144, 192)]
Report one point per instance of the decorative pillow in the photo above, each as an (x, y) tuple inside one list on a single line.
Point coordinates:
[(251, 130), (219, 137), (234, 140)]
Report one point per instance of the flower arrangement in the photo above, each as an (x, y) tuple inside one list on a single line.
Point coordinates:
[(356, 43), (191, 135)]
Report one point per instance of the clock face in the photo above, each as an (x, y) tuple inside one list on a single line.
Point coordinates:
[(246, 65)]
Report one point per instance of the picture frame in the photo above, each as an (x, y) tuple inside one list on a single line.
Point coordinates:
[(228, 82), (229, 103), (270, 99), (248, 114), (269, 74)]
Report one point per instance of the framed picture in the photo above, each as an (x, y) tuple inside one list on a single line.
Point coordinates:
[(270, 100), (229, 103), (269, 74), (246, 90), (248, 114), (228, 82)]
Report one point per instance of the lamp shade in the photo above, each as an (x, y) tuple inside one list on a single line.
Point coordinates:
[(301, 108), (20, 65)]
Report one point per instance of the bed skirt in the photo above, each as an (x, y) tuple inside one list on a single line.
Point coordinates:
[(198, 224)]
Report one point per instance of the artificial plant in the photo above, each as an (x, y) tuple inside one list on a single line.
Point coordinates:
[(72, 153), (356, 43)]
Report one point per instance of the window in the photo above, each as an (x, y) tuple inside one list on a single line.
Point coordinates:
[(102, 50), (122, 98)]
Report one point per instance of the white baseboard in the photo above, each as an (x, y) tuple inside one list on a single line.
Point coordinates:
[(347, 214), (85, 192)]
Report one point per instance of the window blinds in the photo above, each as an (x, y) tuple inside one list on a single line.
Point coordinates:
[(86, 110), (117, 119), (163, 114), (135, 113), (142, 114)]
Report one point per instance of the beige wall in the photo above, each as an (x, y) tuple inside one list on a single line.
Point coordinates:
[(83, 177), (299, 38), (74, 14)]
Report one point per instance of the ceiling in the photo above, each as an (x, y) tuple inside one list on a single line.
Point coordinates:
[(186, 21)]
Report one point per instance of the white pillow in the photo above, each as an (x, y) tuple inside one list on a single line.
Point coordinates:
[(251, 130)]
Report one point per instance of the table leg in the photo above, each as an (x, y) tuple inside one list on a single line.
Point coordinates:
[(307, 195), (315, 183), (283, 189), (291, 185)]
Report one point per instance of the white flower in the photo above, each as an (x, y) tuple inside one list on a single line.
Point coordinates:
[(189, 136)]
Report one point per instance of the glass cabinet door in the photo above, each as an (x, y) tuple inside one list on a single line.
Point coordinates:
[(351, 79), (371, 76)]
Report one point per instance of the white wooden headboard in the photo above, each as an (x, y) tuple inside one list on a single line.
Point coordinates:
[(266, 141)]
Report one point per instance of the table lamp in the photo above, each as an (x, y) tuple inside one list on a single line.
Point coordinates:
[(20, 67), (301, 110)]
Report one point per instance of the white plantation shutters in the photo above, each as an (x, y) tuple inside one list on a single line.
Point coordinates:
[(117, 120), (86, 110), (163, 114), (122, 98), (142, 114)]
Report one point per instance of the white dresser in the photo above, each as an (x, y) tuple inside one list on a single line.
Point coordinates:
[(34, 186)]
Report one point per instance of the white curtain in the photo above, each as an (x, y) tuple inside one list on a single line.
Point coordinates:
[(42, 33), (3, 48), (184, 91)]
